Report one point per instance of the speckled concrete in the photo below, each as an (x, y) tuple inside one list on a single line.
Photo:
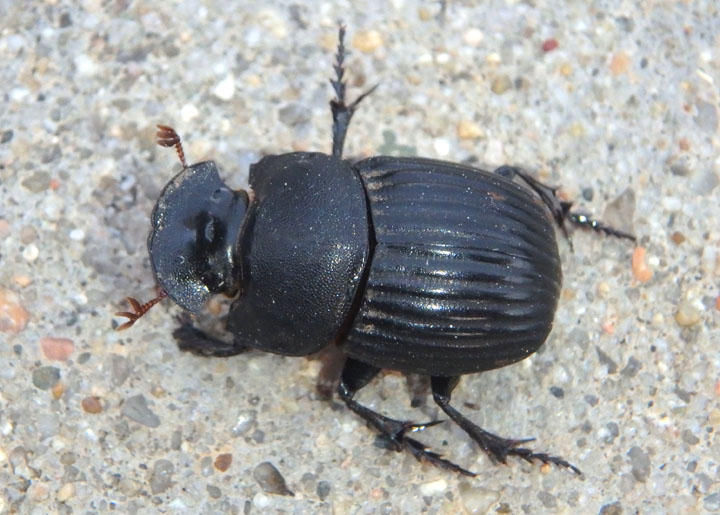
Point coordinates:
[(623, 113)]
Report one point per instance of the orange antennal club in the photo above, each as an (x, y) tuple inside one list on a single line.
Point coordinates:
[(167, 137), (138, 310)]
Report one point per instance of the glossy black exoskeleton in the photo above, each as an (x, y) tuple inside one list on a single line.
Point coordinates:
[(409, 264)]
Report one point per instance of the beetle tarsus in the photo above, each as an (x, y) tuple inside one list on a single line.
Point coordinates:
[(167, 137), (195, 341), (497, 448), (560, 209), (356, 375), (341, 111)]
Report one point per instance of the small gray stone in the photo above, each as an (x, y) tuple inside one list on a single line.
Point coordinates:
[(136, 409), (640, 462), (323, 490), (712, 502), (45, 377), (120, 369), (214, 492), (270, 479), (632, 368), (689, 438), (606, 360), (547, 499), (37, 182), (614, 508), (161, 478), (294, 114), (6, 136), (707, 117), (619, 213)]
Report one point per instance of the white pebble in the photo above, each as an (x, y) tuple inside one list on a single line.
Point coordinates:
[(188, 112), (85, 65), (225, 89), (77, 234), (442, 147), (671, 203), (18, 94), (433, 487), (31, 253), (473, 36)]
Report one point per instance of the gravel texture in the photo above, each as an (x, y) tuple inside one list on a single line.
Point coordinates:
[(616, 101)]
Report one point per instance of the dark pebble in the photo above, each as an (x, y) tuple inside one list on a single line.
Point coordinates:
[(214, 492), (557, 392), (6, 136), (270, 479), (613, 508), (45, 378), (323, 490)]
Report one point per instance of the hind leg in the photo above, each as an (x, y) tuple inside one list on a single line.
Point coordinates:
[(496, 447), (560, 209)]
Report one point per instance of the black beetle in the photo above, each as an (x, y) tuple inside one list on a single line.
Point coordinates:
[(409, 264)]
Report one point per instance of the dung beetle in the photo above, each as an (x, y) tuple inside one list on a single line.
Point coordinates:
[(410, 264)]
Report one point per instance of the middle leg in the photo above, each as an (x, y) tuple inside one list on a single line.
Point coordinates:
[(354, 376)]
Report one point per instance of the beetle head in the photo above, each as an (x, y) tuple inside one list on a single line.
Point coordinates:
[(195, 225)]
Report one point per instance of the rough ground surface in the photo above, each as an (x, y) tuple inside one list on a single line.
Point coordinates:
[(615, 102)]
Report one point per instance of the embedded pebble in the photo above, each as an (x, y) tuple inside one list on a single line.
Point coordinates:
[(58, 349), (66, 492), (476, 499), (91, 404), (433, 487), (620, 63), (473, 36), (45, 378), (225, 89), (31, 253), (687, 314), (188, 112), (501, 84), (223, 462), (640, 462), (640, 268), (13, 317), (367, 41), (161, 478), (270, 479), (136, 409), (468, 129)]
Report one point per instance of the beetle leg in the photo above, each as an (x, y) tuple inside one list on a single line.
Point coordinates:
[(497, 448), (560, 209), (341, 111), (354, 376), (198, 342)]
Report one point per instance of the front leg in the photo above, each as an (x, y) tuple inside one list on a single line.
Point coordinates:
[(354, 376), (198, 342)]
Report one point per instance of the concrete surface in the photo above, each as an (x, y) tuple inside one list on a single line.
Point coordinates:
[(617, 101)]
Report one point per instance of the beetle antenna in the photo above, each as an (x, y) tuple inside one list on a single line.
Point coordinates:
[(138, 310), (167, 137)]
